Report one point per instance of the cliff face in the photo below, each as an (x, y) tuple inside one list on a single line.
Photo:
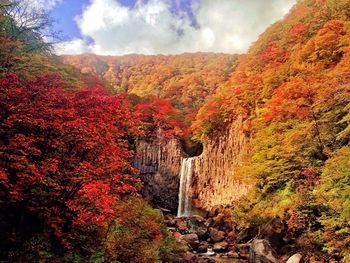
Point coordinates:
[(159, 164), (213, 179)]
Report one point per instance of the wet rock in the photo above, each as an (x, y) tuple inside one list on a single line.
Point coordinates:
[(209, 222), (199, 219), (181, 224), (262, 252), (220, 247), (296, 258), (192, 240), (203, 247), (246, 234), (217, 235), (202, 233)]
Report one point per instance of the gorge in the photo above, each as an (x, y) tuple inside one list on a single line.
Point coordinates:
[(163, 163)]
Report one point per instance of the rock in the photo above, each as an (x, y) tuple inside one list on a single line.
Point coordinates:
[(224, 222), (190, 257), (246, 234), (209, 253), (231, 237), (243, 250), (199, 219), (192, 240), (202, 233), (220, 247), (217, 235), (232, 254), (181, 225), (296, 258), (170, 222), (262, 252), (165, 211), (209, 222), (274, 232), (203, 248)]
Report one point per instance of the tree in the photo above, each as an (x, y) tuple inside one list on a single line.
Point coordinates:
[(20, 20), (65, 159)]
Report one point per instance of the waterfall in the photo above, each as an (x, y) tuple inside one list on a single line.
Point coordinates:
[(185, 198)]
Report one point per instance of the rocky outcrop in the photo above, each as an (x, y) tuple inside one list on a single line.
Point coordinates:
[(159, 164), (213, 180), (262, 252)]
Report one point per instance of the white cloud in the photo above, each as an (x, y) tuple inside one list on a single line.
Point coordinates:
[(150, 27), (75, 46), (42, 4)]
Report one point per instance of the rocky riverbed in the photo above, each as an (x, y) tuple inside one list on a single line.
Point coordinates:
[(216, 238)]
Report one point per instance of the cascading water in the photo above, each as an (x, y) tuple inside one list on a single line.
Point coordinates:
[(184, 208)]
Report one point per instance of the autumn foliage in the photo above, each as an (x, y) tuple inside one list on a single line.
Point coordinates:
[(292, 90)]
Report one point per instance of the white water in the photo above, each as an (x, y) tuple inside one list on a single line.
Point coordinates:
[(185, 198)]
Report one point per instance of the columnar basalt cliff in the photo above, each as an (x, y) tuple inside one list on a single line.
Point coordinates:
[(213, 183), (159, 165)]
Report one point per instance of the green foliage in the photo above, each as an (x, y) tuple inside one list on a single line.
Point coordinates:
[(138, 236)]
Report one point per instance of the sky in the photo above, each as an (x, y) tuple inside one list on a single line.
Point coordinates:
[(118, 27)]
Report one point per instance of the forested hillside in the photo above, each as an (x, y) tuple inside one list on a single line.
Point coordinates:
[(293, 91), (186, 80)]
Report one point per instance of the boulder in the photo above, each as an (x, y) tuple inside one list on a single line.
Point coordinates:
[(217, 235), (209, 222), (203, 247), (192, 240), (243, 250), (296, 258), (181, 224), (220, 247), (170, 222), (202, 233), (199, 219), (231, 237), (246, 234), (262, 252), (274, 232)]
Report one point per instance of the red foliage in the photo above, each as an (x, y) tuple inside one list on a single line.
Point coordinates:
[(273, 53), (160, 113), (290, 101), (64, 156), (298, 31)]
